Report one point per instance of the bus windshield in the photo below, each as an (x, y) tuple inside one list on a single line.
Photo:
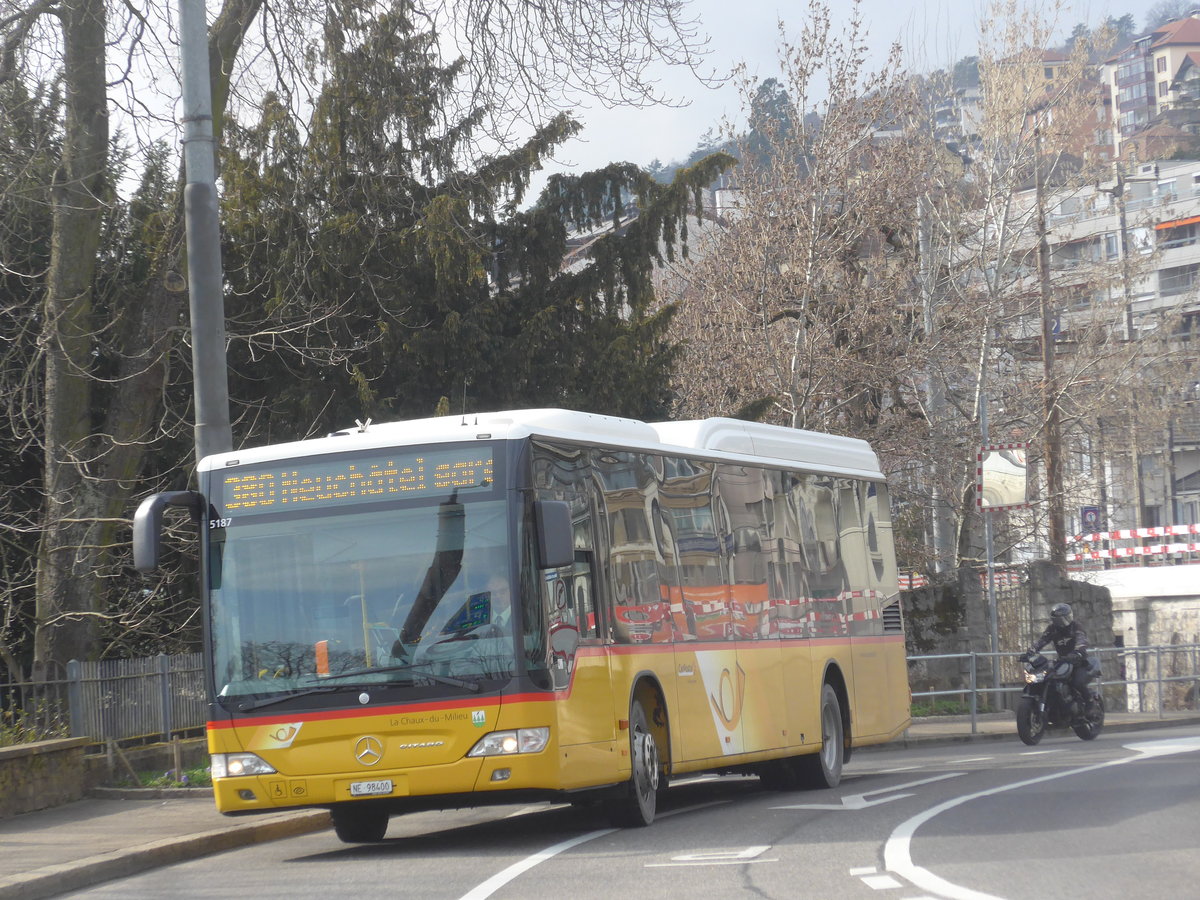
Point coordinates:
[(360, 594)]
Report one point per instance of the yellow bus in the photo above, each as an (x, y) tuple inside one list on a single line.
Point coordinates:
[(539, 604)]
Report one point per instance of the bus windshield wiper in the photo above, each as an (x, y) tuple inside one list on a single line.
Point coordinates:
[(271, 701), (404, 667)]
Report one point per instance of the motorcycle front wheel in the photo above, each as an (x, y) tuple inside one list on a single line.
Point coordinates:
[(1031, 723), (1094, 714)]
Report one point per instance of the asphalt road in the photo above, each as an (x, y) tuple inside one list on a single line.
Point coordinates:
[(1117, 817)]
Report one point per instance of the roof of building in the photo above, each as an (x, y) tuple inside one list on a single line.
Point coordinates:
[(1190, 61), (1182, 31)]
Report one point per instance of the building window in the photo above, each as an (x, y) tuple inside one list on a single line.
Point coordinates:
[(1048, 72), (1160, 64), (1178, 280), (1179, 236), (1162, 89)]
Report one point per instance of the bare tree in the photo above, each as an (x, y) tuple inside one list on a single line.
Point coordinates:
[(804, 309)]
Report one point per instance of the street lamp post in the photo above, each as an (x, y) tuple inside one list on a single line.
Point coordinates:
[(210, 378)]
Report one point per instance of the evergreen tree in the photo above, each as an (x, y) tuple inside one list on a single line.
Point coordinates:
[(378, 264)]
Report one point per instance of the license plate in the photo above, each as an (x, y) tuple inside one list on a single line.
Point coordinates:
[(370, 788)]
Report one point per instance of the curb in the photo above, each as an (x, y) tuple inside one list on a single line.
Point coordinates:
[(51, 881), (908, 741), (204, 792)]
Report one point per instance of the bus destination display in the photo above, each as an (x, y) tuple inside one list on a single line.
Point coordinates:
[(334, 481)]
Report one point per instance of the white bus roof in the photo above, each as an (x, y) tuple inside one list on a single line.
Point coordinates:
[(715, 438)]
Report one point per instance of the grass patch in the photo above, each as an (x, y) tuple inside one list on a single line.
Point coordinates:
[(941, 706), (197, 776)]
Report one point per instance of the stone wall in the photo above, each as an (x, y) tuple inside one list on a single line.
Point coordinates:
[(50, 773), (105, 767), (952, 618), (41, 775)]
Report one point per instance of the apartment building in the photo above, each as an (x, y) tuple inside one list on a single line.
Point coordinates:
[(1155, 74), (1151, 215)]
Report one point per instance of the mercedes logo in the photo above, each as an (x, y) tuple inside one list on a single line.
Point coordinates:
[(368, 750)]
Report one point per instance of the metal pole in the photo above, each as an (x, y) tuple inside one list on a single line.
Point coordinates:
[(1159, 676), (75, 709), (1056, 532), (974, 695), (942, 525), (164, 697), (989, 551), (213, 433)]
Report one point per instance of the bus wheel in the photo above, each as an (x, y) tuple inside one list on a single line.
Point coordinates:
[(824, 769), (359, 825), (637, 802)]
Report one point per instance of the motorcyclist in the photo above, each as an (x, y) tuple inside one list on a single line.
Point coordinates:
[(1070, 642)]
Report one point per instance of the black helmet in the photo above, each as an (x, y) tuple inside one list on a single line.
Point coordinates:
[(1060, 614)]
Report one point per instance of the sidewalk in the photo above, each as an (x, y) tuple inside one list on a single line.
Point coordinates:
[(110, 835)]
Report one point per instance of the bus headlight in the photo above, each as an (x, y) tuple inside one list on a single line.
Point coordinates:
[(506, 743), (231, 765)]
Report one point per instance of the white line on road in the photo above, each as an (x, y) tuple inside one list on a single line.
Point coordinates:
[(897, 856), (710, 862), (860, 801), (881, 882), (504, 876)]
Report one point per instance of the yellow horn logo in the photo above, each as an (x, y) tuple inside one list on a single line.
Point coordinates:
[(730, 695)]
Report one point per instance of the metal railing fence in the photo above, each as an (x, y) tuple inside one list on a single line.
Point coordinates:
[(1153, 678), (156, 697), (163, 696)]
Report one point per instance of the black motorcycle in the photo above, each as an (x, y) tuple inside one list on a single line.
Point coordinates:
[(1048, 700)]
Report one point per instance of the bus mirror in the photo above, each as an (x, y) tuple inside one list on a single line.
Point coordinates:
[(555, 534), (147, 525)]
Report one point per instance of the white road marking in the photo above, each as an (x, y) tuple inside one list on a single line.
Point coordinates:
[(1038, 752), (716, 858), (863, 870), (726, 862), (860, 801), (959, 762), (881, 882), (504, 876), (897, 856)]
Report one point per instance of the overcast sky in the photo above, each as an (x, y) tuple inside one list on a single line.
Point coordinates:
[(936, 32)]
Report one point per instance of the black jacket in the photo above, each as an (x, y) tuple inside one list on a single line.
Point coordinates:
[(1066, 639)]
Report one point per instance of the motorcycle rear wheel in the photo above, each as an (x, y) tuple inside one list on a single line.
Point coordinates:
[(1031, 724), (1091, 729)]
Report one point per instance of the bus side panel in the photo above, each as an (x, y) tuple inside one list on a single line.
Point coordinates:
[(711, 689), (803, 719), (871, 692), (589, 746), (760, 696), (899, 704)]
